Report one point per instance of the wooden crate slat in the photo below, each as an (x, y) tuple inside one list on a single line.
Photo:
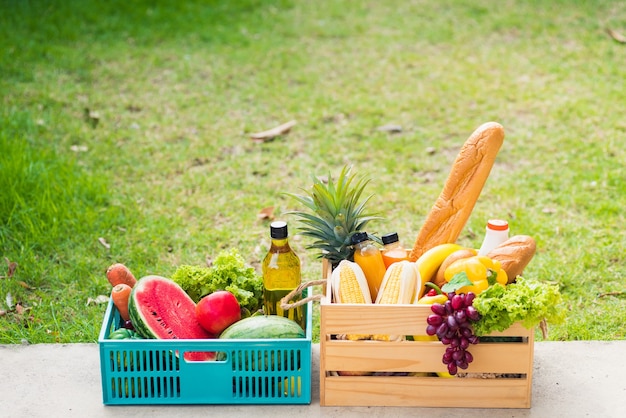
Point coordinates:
[(409, 356), (386, 319), (427, 392)]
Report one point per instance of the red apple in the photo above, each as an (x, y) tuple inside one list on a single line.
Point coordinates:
[(216, 311)]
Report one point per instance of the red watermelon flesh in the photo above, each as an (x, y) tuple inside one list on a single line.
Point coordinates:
[(162, 309)]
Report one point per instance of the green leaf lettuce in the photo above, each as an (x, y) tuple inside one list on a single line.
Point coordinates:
[(228, 272), (528, 301)]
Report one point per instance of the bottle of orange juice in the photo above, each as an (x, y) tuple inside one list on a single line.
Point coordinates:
[(393, 251), (368, 257)]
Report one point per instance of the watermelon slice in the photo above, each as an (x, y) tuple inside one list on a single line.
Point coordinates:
[(160, 308)]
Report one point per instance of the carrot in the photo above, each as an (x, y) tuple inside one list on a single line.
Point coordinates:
[(120, 295), (119, 273)]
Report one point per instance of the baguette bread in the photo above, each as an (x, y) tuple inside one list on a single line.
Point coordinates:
[(514, 254), (468, 175)]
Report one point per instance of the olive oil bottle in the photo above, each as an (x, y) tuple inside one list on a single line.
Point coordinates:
[(281, 275)]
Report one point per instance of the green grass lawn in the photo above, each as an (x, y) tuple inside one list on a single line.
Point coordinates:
[(127, 124)]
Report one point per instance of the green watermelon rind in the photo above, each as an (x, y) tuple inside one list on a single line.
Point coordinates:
[(137, 320), (263, 327), (189, 328)]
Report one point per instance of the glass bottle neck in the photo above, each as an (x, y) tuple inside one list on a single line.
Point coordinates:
[(281, 244), (392, 245)]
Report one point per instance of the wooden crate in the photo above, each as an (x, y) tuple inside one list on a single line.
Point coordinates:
[(512, 358)]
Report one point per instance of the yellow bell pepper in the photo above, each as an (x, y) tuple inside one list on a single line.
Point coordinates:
[(494, 267), (482, 271)]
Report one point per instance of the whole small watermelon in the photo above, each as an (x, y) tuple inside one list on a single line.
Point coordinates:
[(263, 326)]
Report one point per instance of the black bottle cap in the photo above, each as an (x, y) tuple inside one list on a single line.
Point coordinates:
[(359, 237), (278, 230), (390, 238)]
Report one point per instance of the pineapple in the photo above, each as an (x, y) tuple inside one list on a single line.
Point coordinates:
[(335, 215)]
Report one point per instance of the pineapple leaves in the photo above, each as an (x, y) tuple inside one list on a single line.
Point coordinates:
[(334, 214)]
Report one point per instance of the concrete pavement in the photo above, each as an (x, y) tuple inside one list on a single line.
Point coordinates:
[(571, 379)]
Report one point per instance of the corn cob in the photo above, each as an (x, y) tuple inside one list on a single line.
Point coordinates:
[(349, 285), (397, 287)]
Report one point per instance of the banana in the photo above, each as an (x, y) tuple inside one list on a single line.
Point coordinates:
[(429, 262), (427, 265)]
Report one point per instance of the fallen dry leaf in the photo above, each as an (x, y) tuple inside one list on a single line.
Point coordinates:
[(391, 128), (104, 243), (99, 300), (11, 267), (26, 285), (19, 309), (616, 36), (79, 148), (133, 108), (274, 132), (266, 213), (323, 179), (615, 293), (92, 117)]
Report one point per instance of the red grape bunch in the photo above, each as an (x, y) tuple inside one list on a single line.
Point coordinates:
[(451, 322)]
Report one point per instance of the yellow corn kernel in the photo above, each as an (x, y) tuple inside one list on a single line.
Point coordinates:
[(391, 291), (397, 287), (357, 337), (349, 285), (349, 289)]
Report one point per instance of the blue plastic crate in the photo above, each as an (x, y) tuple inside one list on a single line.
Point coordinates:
[(259, 371)]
